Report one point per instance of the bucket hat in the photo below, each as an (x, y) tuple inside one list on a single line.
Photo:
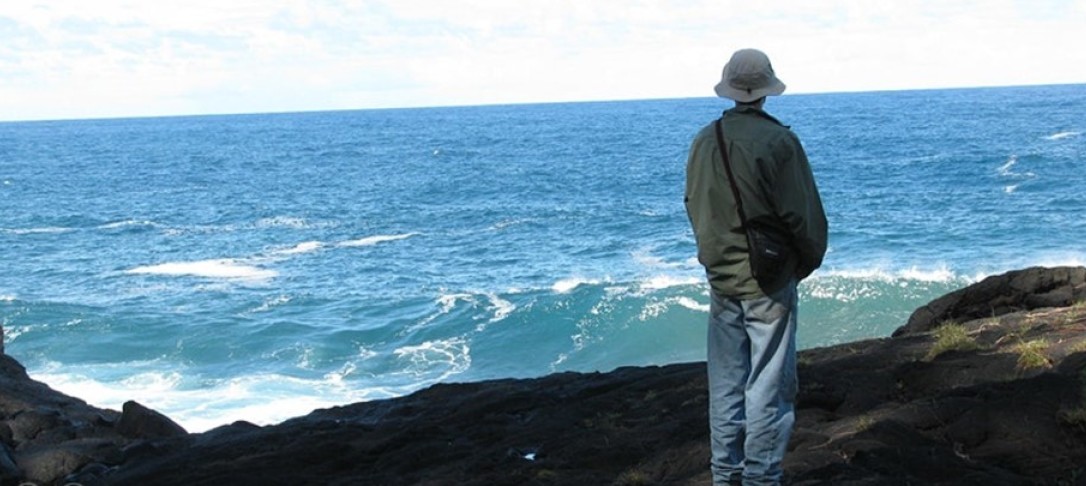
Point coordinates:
[(748, 76)]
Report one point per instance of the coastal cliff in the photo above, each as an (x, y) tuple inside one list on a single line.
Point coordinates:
[(986, 385)]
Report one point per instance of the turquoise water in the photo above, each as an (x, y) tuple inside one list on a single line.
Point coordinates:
[(259, 266)]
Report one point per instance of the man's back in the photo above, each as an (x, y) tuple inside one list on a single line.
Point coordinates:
[(772, 172)]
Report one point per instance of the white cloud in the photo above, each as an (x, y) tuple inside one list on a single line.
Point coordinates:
[(66, 58)]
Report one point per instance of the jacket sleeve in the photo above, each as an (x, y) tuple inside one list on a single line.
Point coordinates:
[(800, 206)]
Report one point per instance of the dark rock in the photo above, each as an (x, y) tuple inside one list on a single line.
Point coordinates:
[(90, 474), (139, 422), (1028, 289), (48, 464), (9, 471), (28, 424)]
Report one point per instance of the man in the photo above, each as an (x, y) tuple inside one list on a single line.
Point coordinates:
[(751, 342)]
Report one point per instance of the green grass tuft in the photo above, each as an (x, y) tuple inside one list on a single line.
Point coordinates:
[(633, 478), (864, 423), (1031, 354), (1075, 417), (951, 336)]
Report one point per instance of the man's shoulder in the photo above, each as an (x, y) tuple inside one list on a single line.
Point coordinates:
[(707, 134), (706, 130), (772, 130)]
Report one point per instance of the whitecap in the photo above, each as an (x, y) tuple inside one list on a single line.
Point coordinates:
[(282, 222), (646, 259), (446, 303), (661, 282), (937, 274), (337, 376), (1005, 169), (500, 308), (307, 247), (692, 304), (941, 274), (656, 309), (567, 285), (127, 223), (1061, 135), (373, 240), (272, 303), (223, 268), (37, 231)]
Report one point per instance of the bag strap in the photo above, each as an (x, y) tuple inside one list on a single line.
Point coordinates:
[(728, 169)]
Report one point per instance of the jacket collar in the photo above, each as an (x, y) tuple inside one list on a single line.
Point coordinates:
[(750, 110)]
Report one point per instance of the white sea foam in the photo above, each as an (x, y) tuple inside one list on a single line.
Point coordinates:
[(661, 282), (271, 303), (1007, 169), (7, 298), (851, 285), (128, 223), (653, 310), (500, 225), (567, 285), (373, 240), (307, 247), (443, 357), (36, 231), (446, 303), (500, 307), (11, 333), (201, 404), (645, 258), (283, 222), (1056, 259), (692, 304), (938, 274), (222, 268), (263, 399), (1061, 135), (656, 308), (941, 274)]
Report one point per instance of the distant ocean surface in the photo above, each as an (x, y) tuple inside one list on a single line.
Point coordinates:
[(256, 267)]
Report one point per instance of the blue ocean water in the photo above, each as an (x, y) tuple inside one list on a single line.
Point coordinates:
[(257, 267)]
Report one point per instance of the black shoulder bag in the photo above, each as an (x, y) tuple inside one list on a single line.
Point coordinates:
[(770, 248)]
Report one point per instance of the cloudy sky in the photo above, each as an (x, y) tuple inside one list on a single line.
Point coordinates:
[(64, 59)]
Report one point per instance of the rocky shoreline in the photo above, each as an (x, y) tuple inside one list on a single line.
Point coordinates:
[(986, 385)]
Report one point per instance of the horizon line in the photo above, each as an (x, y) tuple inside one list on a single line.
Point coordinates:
[(524, 103)]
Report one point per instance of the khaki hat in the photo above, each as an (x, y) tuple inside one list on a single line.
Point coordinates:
[(748, 76)]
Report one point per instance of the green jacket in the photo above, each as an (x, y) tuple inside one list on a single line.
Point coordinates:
[(772, 172)]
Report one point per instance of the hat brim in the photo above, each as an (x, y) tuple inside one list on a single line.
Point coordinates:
[(723, 90)]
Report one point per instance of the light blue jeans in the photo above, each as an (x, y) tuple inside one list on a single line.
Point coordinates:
[(752, 386)]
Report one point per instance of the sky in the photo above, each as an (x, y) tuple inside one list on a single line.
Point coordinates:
[(70, 59)]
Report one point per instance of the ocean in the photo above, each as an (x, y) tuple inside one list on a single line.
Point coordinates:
[(256, 267)]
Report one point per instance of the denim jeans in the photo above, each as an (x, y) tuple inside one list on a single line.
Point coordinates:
[(752, 385)]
